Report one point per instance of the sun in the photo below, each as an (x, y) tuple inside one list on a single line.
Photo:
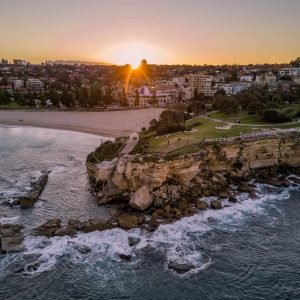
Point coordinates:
[(131, 53)]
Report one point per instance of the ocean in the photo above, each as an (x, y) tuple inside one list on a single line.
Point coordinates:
[(247, 250)]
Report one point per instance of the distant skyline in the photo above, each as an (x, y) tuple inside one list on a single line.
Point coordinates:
[(162, 31)]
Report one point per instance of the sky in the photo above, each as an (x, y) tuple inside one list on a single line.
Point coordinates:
[(162, 31)]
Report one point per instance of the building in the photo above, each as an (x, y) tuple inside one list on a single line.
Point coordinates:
[(247, 77), (201, 83), (18, 83), (34, 84), (180, 81), (146, 98), (227, 87), (20, 62), (293, 72)]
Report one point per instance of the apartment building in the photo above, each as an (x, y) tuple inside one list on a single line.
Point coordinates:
[(34, 84), (201, 83)]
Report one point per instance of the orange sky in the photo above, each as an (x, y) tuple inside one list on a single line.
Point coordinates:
[(162, 31)]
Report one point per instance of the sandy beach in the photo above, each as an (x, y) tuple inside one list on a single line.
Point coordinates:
[(109, 123)]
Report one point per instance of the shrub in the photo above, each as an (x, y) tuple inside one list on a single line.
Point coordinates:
[(275, 116)]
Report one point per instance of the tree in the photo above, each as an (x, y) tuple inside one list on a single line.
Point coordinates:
[(275, 116), (296, 63), (123, 100), (95, 96), (4, 97), (82, 96), (153, 99), (54, 97), (67, 99), (137, 99)]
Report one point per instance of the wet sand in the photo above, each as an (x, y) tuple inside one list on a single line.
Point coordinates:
[(108, 123)]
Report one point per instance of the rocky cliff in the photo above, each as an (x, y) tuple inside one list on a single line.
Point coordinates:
[(239, 158)]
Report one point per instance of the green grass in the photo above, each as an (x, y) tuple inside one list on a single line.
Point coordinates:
[(189, 142), (242, 116), (169, 143)]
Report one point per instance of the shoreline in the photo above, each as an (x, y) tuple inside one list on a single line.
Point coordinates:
[(111, 124)]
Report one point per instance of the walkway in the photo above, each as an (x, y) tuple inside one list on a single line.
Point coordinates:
[(130, 145)]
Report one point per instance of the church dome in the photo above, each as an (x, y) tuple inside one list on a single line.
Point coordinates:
[(144, 91)]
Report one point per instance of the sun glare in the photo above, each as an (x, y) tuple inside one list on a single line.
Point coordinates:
[(133, 53)]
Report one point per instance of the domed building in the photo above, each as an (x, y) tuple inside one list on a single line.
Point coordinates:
[(146, 98), (144, 91)]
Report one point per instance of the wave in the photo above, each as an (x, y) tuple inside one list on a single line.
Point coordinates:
[(181, 242)]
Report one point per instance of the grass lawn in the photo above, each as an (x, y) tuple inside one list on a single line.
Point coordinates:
[(242, 116), (168, 143), (189, 142)]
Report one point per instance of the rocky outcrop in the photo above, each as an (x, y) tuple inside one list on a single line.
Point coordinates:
[(239, 159), (11, 238), (170, 189), (141, 199), (54, 227), (36, 189)]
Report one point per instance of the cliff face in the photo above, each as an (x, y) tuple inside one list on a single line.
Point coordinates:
[(238, 159)]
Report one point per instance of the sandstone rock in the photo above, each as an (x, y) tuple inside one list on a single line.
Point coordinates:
[(65, 230), (125, 256), (141, 199), (94, 225), (31, 197), (245, 188), (158, 203), (223, 194), (202, 205), (128, 222), (132, 240), (232, 199), (47, 229), (182, 204), (26, 202), (11, 238), (82, 248), (180, 268), (216, 204)]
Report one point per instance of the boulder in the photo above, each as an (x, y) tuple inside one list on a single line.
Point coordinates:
[(132, 240), (82, 248), (202, 205), (223, 194), (65, 230), (11, 238), (245, 188), (94, 225), (216, 204), (125, 256), (232, 199), (128, 221), (180, 268), (47, 229), (31, 197), (141, 199)]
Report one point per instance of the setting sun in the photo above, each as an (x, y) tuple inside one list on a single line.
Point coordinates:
[(132, 53)]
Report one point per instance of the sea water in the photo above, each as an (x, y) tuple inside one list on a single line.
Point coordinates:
[(247, 250)]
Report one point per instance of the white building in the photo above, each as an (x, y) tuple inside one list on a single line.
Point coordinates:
[(180, 81), (34, 84), (247, 78), (227, 87), (293, 72), (18, 83), (146, 98)]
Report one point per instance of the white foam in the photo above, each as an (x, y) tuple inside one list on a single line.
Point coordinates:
[(179, 241)]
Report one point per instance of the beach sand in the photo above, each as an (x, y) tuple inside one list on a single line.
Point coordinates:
[(108, 123)]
